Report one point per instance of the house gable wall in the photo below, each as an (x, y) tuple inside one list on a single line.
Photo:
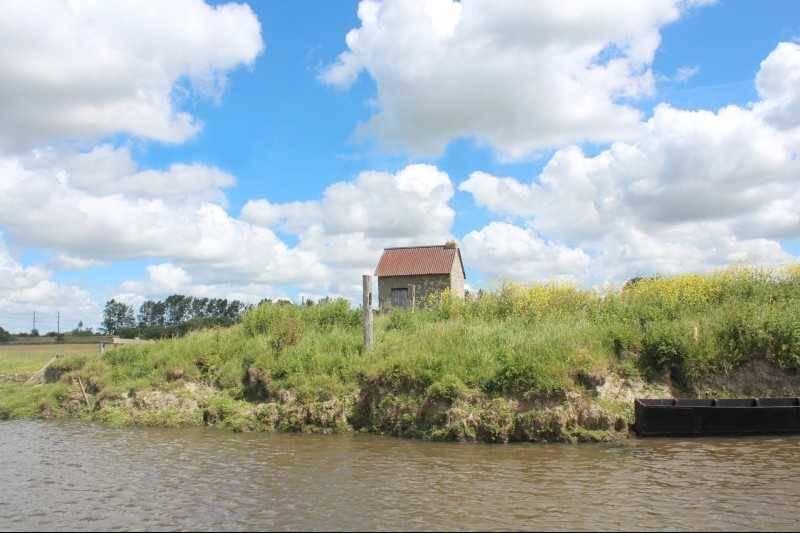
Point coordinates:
[(457, 280)]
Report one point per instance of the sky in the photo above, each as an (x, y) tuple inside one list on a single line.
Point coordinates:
[(273, 149)]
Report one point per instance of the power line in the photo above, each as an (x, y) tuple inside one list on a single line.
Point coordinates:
[(45, 322)]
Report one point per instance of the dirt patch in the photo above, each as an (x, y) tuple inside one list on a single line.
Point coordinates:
[(626, 391), (758, 378)]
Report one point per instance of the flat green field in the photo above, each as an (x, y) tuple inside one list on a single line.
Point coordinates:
[(25, 359)]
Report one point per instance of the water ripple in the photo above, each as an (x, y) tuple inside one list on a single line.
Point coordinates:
[(69, 475)]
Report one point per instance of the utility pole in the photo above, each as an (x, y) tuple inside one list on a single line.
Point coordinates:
[(367, 279), (34, 321), (58, 326)]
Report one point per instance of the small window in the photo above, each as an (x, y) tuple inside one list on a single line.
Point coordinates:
[(400, 297)]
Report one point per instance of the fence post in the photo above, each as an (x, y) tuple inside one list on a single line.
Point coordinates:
[(367, 279), (413, 297)]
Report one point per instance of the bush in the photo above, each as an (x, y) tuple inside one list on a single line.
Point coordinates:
[(449, 388), (332, 313), (63, 366), (400, 320), (664, 346), (783, 336), (265, 318), (741, 333)]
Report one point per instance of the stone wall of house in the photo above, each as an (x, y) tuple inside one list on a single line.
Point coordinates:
[(423, 286), (457, 279)]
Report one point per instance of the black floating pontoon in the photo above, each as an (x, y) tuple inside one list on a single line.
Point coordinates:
[(668, 418)]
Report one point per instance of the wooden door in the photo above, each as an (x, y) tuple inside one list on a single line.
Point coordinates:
[(400, 297)]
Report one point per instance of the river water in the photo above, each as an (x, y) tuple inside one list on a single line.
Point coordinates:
[(72, 475)]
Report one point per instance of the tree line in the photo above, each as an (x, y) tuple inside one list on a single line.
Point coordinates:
[(174, 316), (79, 331)]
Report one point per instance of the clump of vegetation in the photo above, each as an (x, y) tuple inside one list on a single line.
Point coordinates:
[(468, 360)]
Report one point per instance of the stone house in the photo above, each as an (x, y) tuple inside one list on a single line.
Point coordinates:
[(416, 272)]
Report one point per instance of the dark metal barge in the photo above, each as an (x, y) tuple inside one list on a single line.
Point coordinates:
[(681, 418)]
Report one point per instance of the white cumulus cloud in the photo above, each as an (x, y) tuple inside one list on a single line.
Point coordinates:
[(505, 251), (40, 206), (91, 69), (167, 278), (354, 220), (777, 82), (695, 190), (518, 75), (24, 289)]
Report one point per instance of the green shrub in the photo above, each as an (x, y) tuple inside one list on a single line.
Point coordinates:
[(783, 334), (332, 313), (665, 345), (400, 320), (448, 388), (740, 334), (63, 366)]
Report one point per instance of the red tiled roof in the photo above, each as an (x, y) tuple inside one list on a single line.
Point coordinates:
[(418, 261)]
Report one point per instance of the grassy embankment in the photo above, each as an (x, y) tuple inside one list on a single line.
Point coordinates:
[(538, 363)]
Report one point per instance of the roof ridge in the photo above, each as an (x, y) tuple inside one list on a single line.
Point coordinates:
[(415, 247)]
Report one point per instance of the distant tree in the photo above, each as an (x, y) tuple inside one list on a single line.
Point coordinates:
[(5, 336), (128, 333), (199, 308), (218, 307), (152, 314), (81, 331), (176, 315), (233, 310), (117, 316), (34, 332), (177, 309)]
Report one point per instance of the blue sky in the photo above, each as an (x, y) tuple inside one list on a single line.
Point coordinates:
[(285, 131)]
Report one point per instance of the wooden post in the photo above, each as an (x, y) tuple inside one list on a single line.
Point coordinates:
[(412, 290), (367, 311), (83, 391)]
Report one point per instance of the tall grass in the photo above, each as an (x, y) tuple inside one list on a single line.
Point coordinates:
[(517, 340)]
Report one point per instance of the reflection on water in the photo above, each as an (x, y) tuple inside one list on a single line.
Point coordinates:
[(69, 475)]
